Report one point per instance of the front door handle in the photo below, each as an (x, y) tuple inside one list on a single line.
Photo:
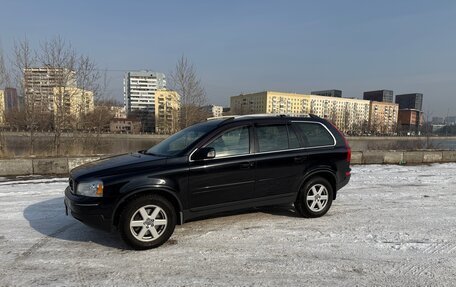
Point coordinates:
[(247, 165)]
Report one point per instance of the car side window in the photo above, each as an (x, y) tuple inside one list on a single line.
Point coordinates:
[(272, 137), (232, 142), (293, 141), (314, 134)]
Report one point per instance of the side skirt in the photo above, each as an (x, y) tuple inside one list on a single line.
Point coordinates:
[(190, 214)]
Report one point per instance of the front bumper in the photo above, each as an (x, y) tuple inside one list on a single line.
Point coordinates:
[(90, 211)]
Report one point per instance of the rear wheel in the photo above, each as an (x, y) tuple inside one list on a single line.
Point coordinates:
[(315, 198), (147, 222)]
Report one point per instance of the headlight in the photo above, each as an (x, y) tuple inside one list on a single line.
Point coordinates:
[(90, 188)]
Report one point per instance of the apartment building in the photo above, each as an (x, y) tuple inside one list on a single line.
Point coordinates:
[(347, 114), (410, 121), (269, 102), (213, 111), (167, 109), (9, 101), (383, 117), (39, 84), (72, 101), (2, 107)]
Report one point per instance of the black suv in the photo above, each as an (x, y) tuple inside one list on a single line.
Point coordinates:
[(220, 165)]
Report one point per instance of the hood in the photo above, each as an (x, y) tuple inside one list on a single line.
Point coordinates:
[(117, 164)]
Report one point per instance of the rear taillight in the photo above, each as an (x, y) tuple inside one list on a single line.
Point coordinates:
[(349, 151)]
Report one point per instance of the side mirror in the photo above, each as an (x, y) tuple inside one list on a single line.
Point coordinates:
[(204, 153)]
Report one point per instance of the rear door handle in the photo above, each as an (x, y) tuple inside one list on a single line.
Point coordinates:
[(300, 159)]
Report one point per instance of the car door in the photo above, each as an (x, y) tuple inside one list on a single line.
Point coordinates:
[(279, 159), (227, 178)]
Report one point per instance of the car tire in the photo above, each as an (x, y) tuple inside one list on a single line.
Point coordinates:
[(315, 198), (147, 222)]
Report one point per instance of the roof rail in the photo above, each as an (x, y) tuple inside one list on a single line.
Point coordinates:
[(259, 115), (220, 118)]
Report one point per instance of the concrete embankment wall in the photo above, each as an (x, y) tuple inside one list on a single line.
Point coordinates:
[(402, 157), (41, 166), (62, 165)]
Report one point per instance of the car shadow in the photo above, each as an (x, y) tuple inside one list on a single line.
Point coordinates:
[(48, 218), (280, 210)]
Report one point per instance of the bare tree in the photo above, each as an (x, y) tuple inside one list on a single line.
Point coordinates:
[(347, 120), (97, 122), (88, 79), (2, 108), (4, 77), (24, 57), (186, 83), (60, 59), (76, 83)]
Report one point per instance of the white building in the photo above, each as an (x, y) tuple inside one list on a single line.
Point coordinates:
[(140, 88), (214, 111)]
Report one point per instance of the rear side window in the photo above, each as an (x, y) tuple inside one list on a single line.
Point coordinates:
[(275, 137), (314, 134)]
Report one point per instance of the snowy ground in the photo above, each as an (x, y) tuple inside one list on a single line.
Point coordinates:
[(391, 226)]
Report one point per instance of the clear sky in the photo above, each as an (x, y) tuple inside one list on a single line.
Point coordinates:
[(249, 46)]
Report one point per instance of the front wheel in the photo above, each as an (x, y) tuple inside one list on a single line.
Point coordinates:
[(315, 198), (147, 222)]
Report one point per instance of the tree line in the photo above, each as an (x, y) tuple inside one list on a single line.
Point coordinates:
[(77, 75)]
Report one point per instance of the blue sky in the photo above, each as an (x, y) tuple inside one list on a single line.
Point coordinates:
[(248, 46)]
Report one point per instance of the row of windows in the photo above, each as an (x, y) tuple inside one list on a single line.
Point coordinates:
[(272, 138)]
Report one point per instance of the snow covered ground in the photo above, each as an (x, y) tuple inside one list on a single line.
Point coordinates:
[(391, 226)]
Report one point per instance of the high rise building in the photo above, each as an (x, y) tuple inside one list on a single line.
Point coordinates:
[(328, 93), (410, 101), (379, 96), (347, 114), (140, 88), (383, 117), (167, 109), (139, 96), (40, 83)]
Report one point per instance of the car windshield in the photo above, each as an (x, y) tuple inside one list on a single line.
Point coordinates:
[(182, 140)]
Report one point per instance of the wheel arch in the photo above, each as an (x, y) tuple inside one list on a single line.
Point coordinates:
[(327, 174), (167, 194)]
